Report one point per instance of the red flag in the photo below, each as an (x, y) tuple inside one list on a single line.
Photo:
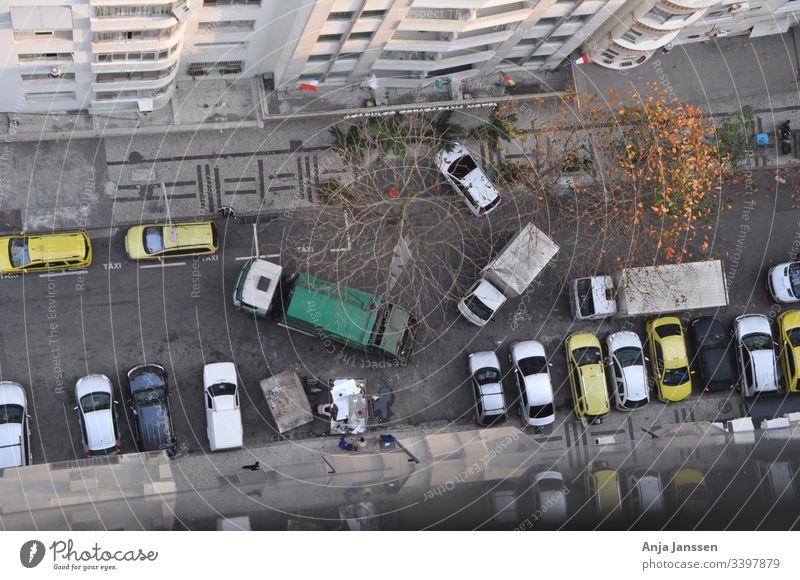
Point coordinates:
[(307, 86)]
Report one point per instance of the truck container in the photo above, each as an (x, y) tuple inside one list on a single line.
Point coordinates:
[(650, 290), (510, 273), (348, 316)]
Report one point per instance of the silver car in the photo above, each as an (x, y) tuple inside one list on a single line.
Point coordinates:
[(15, 432), (626, 370)]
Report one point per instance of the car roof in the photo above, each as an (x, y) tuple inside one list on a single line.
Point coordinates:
[(100, 429), (12, 394), (57, 246), (250, 293), (595, 389), (635, 382), (480, 188), (527, 348), (11, 450), (186, 235), (489, 295), (764, 369)]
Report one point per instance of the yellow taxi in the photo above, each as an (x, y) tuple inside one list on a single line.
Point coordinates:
[(668, 359), (41, 252), (604, 491), (690, 492), (789, 348), (587, 380), (177, 240)]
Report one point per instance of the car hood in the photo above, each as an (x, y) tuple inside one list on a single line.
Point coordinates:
[(538, 389), (636, 382), (779, 276), (224, 372), (154, 427), (10, 450), (100, 430), (753, 323), (483, 359), (622, 339)]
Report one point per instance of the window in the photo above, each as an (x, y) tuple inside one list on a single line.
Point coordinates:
[(229, 67), (136, 56), (329, 37), (320, 57), (360, 35), (340, 15), (111, 96), (373, 14), (664, 16), (227, 25), (50, 96), (151, 10), (550, 21), (632, 35), (231, 2), (46, 77), (24, 35), (134, 76), (230, 44), (134, 34), (46, 56)]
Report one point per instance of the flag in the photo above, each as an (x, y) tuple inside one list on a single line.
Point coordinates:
[(309, 86), (584, 58), (507, 79)]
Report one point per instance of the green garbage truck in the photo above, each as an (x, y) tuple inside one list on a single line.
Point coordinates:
[(351, 317)]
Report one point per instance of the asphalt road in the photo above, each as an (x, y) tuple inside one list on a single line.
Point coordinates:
[(119, 313)]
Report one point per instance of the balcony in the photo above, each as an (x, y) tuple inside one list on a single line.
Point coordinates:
[(640, 39), (439, 45), (121, 23), (131, 102), (428, 64), (136, 40), (448, 25), (668, 17), (136, 64), (115, 81)]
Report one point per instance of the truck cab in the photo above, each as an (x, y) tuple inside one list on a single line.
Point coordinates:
[(481, 302), (592, 298), (255, 287)]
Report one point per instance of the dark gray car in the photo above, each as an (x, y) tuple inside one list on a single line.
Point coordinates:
[(149, 403)]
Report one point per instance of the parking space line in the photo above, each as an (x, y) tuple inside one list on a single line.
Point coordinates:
[(70, 273), (162, 265)]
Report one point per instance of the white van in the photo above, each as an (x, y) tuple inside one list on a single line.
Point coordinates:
[(223, 414)]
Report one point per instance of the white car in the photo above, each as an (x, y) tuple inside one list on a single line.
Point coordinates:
[(97, 411), (15, 433), (784, 282), (481, 302), (645, 493), (468, 179), (626, 370), (550, 497), (755, 351), (223, 415), (487, 387), (532, 376)]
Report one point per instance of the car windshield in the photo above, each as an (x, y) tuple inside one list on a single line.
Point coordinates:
[(715, 341), (148, 397), (629, 356), (668, 330), (794, 278), (588, 355), (147, 379), (462, 167), (487, 375), (153, 239), (95, 402), (533, 365), (794, 336), (220, 389), (675, 377), (541, 411), (18, 252), (585, 297), (478, 308), (11, 414), (635, 404), (757, 341)]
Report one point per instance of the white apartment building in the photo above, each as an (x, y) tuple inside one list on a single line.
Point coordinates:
[(126, 55)]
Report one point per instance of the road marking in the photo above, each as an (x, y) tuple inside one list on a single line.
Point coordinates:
[(272, 256), (248, 257), (70, 273), (346, 229), (162, 265), (255, 238)]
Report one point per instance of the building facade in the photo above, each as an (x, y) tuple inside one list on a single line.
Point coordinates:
[(127, 55)]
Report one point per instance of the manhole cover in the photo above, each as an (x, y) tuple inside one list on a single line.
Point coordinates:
[(135, 157)]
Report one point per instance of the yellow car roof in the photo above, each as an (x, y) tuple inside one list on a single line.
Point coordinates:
[(594, 384), (187, 235), (674, 349), (56, 246)]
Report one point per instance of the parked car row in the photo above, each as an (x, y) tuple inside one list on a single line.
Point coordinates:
[(73, 250), (153, 430), (620, 376)]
